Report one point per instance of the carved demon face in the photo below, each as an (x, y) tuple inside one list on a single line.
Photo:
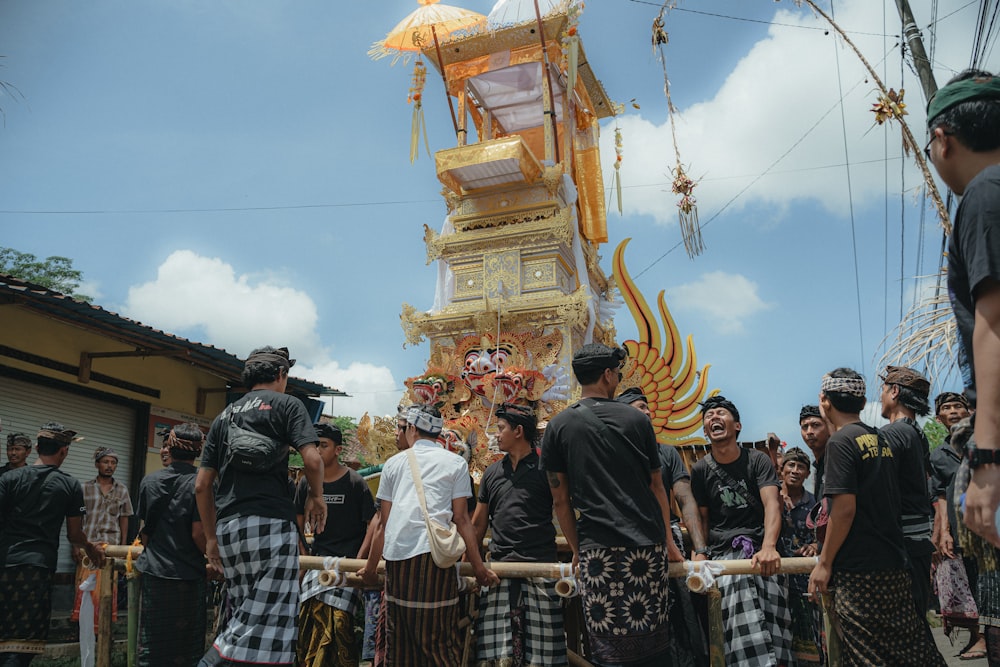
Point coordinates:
[(482, 362), (431, 389)]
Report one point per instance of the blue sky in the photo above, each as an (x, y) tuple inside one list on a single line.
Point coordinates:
[(238, 173)]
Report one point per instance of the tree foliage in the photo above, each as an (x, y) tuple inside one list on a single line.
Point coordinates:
[(347, 425), (935, 432), (54, 273)]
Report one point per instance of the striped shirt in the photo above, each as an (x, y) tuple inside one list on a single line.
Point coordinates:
[(103, 510)]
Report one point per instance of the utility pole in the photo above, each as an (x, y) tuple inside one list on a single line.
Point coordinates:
[(911, 33)]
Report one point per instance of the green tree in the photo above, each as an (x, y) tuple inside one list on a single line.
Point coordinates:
[(55, 273), (935, 432), (347, 426)]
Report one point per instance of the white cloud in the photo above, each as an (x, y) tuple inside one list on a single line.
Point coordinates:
[(785, 85), (726, 299), (203, 297)]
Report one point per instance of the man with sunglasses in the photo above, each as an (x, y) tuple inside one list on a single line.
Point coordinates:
[(602, 463)]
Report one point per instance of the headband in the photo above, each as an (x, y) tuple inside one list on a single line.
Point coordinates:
[(101, 452), (518, 415), (598, 357), (19, 439), (720, 402), (174, 442), (424, 421), (61, 437), (950, 397), (272, 358), (809, 411), (632, 395), (850, 386), (968, 90)]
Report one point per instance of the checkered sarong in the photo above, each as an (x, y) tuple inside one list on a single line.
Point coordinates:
[(625, 603), (260, 559), (543, 639), (756, 618), (342, 598)]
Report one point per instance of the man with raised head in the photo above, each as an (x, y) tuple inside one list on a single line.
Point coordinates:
[(963, 118), (18, 449), (905, 395), (34, 502), (737, 494), (515, 503), (172, 603), (248, 514), (863, 561), (420, 610), (326, 620), (603, 465)]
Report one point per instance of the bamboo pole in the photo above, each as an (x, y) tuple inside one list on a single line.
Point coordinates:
[(716, 634), (105, 593), (132, 581)]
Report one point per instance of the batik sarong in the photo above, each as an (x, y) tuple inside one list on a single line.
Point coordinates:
[(326, 624), (260, 560), (625, 603), (171, 621), (538, 640), (26, 592), (420, 614), (877, 621), (951, 585), (373, 614), (756, 618)]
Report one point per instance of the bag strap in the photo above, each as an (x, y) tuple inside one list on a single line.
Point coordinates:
[(417, 481), (588, 416), (753, 501)]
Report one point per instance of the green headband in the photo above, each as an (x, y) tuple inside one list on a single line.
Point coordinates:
[(982, 88)]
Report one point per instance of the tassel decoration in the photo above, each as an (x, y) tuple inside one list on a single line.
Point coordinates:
[(418, 125)]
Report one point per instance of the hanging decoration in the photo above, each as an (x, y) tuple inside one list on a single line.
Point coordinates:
[(418, 125), (616, 178), (571, 44), (683, 185)]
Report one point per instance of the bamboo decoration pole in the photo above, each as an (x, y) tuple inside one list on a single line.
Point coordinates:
[(716, 634), (104, 595), (132, 581)]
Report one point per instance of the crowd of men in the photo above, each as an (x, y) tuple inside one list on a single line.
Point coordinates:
[(881, 507)]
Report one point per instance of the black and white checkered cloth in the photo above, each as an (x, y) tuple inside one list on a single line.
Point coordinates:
[(544, 637), (756, 619), (338, 597), (260, 559)]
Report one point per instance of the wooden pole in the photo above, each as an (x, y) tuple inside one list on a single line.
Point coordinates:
[(132, 580), (105, 591), (716, 634)]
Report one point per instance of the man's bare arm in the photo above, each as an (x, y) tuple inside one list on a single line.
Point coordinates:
[(689, 512), (564, 511)]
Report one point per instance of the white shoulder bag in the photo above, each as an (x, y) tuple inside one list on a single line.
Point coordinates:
[(447, 545)]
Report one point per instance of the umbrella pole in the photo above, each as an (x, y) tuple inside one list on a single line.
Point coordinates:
[(451, 105), (551, 111)]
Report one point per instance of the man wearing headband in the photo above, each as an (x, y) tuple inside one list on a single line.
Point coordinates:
[(18, 449), (956, 576), (963, 118), (34, 502), (863, 559), (108, 510), (172, 586), (686, 638), (326, 619), (603, 464), (737, 493), (420, 623), (905, 395), (815, 433), (249, 516), (516, 504)]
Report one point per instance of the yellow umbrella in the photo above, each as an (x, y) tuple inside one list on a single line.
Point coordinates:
[(426, 25)]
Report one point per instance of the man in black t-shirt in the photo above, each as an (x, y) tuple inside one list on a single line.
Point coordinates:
[(326, 619), (905, 395), (172, 587), (34, 502), (863, 561), (737, 494), (249, 519), (602, 463), (516, 504), (815, 433)]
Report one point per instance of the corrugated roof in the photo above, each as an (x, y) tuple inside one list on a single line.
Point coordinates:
[(137, 335)]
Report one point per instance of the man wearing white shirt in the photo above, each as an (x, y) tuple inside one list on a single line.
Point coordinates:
[(420, 611)]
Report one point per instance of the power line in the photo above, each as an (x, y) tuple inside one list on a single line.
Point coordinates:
[(749, 20)]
